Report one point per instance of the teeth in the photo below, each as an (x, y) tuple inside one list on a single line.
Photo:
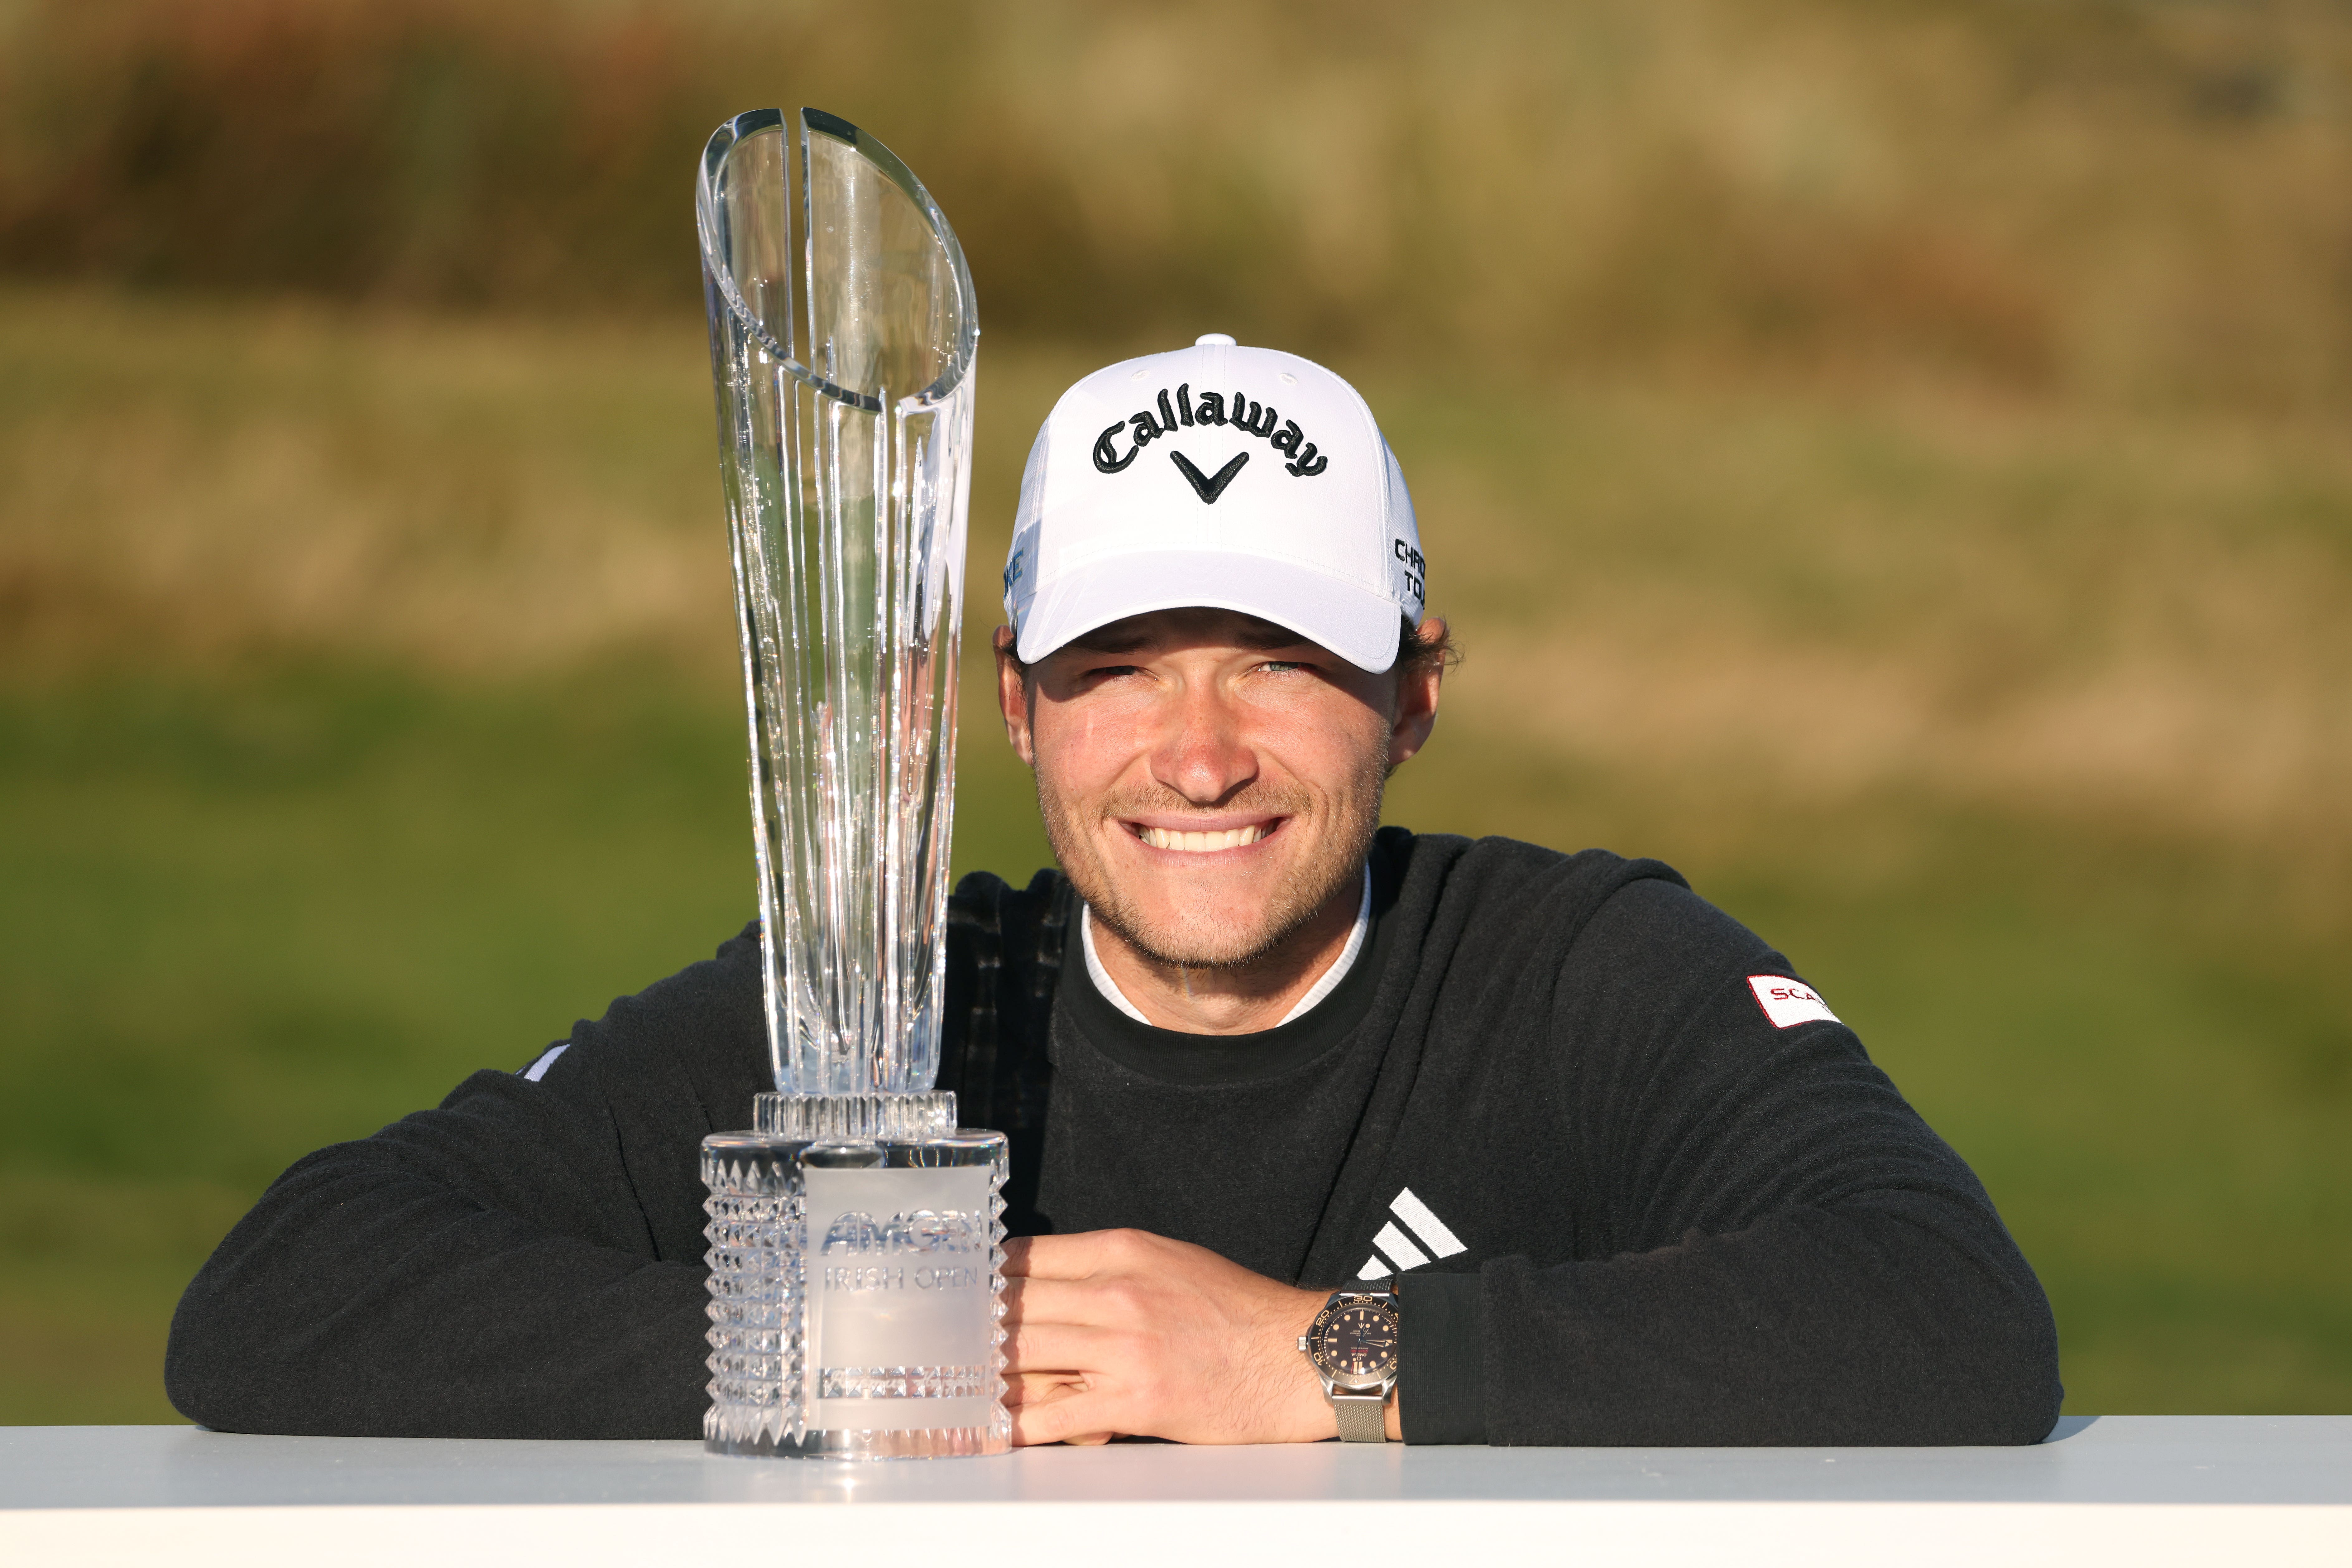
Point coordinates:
[(1201, 843)]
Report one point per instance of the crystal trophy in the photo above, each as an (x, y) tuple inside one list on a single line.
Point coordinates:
[(855, 1257)]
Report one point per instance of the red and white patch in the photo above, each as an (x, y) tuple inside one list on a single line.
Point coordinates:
[(1788, 1003)]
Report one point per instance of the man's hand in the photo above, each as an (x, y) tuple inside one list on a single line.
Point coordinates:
[(1123, 1334)]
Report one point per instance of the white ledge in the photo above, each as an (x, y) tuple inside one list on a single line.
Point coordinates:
[(2140, 1489)]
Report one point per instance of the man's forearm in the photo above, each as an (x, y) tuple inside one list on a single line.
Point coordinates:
[(1855, 1326), (359, 1299)]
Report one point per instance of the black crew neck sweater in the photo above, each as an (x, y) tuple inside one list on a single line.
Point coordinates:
[(1624, 1206)]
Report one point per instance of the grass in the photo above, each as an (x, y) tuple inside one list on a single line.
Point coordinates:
[(368, 714)]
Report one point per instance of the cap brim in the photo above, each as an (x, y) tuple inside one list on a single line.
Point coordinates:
[(1357, 622)]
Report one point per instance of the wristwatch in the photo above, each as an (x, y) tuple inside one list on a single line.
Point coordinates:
[(1352, 1345)]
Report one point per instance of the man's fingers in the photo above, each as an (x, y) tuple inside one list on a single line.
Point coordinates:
[(1041, 1387), (1073, 1257), (1070, 1348), (1093, 1303), (1081, 1418)]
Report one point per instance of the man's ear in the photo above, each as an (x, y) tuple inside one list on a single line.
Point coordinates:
[(1013, 697), (1416, 699)]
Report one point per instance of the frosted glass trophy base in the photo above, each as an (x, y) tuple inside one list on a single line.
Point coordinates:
[(856, 1282)]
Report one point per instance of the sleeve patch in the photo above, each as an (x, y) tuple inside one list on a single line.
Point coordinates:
[(538, 1069), (1788, 1003)]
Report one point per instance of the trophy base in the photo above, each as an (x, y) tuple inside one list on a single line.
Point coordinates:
[(916, 1443), (853, 1118), (856, 1273)]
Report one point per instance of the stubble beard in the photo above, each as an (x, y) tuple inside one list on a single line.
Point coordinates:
[(1333, 867)]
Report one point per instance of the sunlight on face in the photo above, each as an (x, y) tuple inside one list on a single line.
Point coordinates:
[(1207, 781)]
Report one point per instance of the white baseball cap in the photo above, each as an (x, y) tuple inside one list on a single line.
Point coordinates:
[(1230, 478)]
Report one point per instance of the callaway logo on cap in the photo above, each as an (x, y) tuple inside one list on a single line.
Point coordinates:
[(1231, 477)]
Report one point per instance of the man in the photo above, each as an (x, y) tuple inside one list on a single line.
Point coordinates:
[(1581, 1154)]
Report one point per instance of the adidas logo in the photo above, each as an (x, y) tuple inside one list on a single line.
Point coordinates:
[(1393, 1252)]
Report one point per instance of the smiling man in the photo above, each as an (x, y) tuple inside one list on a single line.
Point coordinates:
[(1318, 1128)]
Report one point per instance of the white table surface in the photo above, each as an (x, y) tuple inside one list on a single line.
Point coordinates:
[(2121, 1490)]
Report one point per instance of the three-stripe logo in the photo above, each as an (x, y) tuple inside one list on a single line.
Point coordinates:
[(1393, 1252)]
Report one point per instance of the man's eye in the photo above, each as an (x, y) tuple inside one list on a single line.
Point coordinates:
[(1282, 665)]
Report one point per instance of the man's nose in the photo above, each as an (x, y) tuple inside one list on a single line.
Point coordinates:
[(1201, 753)]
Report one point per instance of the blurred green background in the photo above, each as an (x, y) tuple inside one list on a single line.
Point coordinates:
[(1893, 460)]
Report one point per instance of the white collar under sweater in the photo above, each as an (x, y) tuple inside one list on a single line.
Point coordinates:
[(1322, 987)]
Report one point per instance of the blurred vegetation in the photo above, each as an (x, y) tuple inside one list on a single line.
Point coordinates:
[(1888, 459), (2127, 196)]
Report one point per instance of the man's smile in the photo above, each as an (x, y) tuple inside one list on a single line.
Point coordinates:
[(1205, 840)]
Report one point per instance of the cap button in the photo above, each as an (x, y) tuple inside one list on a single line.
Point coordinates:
[(1212, 340)]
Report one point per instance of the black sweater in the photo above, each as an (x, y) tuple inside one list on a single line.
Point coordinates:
[(1629, 1207)]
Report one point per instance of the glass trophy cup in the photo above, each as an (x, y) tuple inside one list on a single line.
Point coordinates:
[(856, 1265)]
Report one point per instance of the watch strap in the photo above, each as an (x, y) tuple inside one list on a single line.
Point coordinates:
[(1363, 1417)]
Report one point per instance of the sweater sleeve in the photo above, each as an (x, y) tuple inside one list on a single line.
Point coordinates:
[(1771, 1246), (523, 1261)]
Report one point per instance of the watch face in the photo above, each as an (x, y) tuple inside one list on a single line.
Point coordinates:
[(1356, 1342)]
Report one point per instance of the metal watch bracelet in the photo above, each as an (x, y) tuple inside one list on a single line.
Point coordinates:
[(1363, 1417)]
